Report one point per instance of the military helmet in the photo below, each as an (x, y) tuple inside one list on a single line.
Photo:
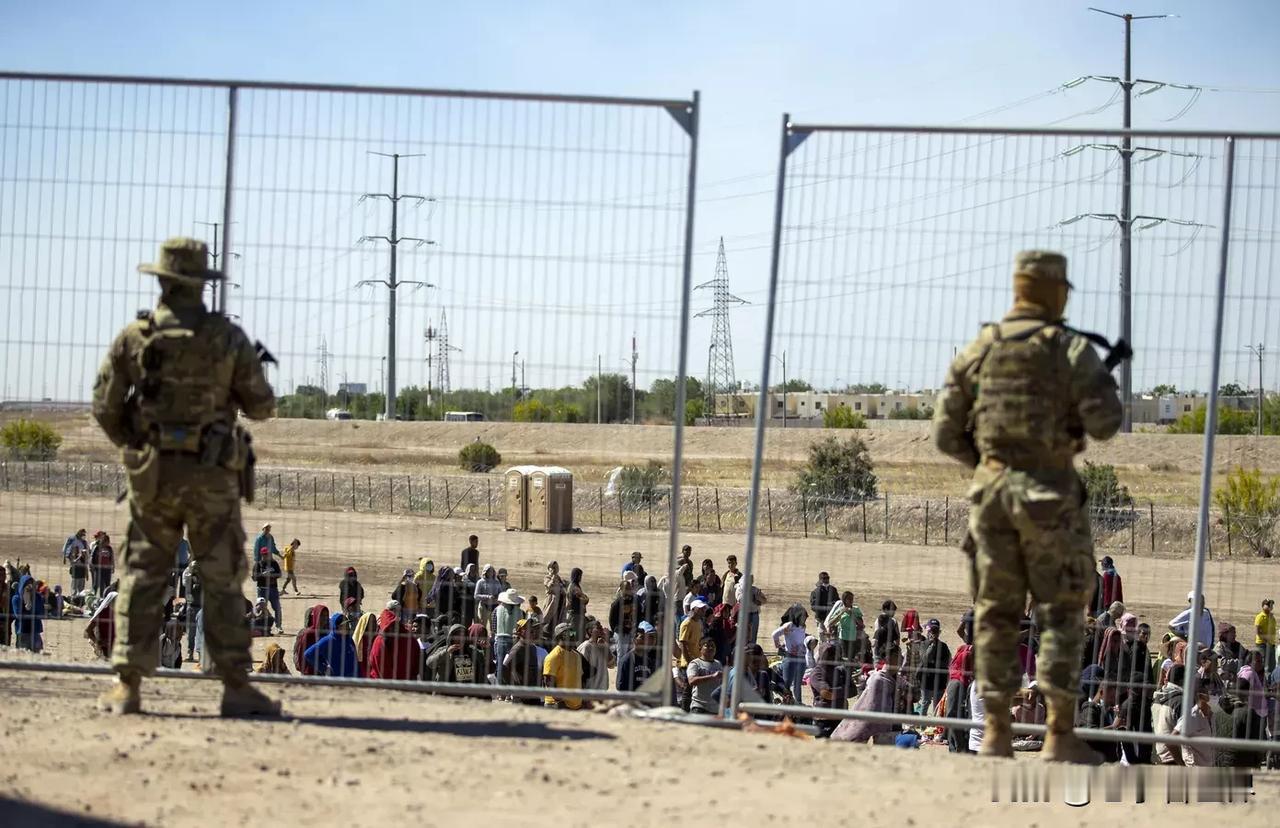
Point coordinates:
[(1039, 265), (184, 260)]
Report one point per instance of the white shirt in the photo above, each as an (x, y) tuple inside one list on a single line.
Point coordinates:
[(792, 639)]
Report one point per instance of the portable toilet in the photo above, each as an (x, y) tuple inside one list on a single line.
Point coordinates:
[(517, 488), (550, 499)]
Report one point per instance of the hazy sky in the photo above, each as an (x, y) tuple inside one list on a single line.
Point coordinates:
[(541, 249)]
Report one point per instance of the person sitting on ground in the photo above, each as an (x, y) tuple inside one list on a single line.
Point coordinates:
[(563, 669), (878, 697), (317, 623), (641, 661), (349, 587), (335, 653), (703, 674), (1029, 709), (458, 662), (273, 662), (260, 620)]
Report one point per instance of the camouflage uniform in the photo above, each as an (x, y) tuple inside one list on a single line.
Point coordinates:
[(168, 394), (1016, 407)]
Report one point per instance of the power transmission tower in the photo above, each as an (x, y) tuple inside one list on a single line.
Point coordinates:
[(438, 350), (1259, 350), (1125, 218), (720, 373), (391, 283), (324, 352)]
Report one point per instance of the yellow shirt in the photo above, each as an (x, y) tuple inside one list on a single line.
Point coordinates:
[(690, 640), (289, 552), (1268, 624), (565, 666)]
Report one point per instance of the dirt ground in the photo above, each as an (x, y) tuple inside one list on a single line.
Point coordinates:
[(372, 757), (1163, 468), (931, 579)]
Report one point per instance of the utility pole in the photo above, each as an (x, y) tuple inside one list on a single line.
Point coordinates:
[(391, 283), (1259, 350), (515, 393), (1125, 219), (218, 298), (784, 387), (634, 357), (524, 389), (599, 380)]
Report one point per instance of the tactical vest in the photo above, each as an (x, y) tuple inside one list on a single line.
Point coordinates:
[(1023, 401), (184, 381)]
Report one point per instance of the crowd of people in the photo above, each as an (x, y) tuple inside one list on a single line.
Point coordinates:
[(469, 624)]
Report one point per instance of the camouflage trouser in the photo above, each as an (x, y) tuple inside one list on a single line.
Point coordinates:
[(206, 500), (1032, 535)]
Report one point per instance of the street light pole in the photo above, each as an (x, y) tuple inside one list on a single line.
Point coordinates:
[(784, 387), (515, 394), (1259, 350)]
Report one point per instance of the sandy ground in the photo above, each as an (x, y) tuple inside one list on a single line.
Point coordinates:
[(931, 579), (1159, 467), (371, 757)]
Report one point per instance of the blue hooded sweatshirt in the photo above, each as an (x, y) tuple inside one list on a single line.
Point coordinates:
[(335, 653), (26, 622)]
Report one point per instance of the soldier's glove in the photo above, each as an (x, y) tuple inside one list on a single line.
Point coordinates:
[(1120, 352)]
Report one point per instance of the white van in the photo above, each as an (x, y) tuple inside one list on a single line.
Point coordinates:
[(463, 417), (337, 414)]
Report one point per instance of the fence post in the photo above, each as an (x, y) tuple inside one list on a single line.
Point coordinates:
[(391, 494), (804, 513), (368, 484), (1133, 529), (46, 477), (75, 482), (621, 522), (768, 493), (697, 510), (600, 492), (650, 499), (448, 500), (719, 524), (297, 480), (315, 493), (826, 509), (946, 521), (926, 523), (280, 490), (353, 492), (1226, 518), (864, 520), (488, 496), (886, 516), (428, 497), (1151, 504)]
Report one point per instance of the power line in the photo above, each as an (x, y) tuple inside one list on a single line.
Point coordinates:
[(720, 371)]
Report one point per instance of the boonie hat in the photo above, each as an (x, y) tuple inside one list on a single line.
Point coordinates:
[(182, 259)]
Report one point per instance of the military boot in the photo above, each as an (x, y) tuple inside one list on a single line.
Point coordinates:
[(1060, 742), (124, 698), (997, 726), (239, 698)]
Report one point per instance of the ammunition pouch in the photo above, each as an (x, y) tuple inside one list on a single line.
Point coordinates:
[(242, 460)]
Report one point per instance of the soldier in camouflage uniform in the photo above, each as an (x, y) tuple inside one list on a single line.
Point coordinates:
[(168, 394), (1017, 406)]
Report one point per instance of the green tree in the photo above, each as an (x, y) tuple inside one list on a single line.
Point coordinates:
[(1250, 505), (660, 402), (837, 472), (842, 416), (1230, 421), (1164, 390), (693, 410), (30, 440), (615, 397), (868, 388), (794, 385), (532, 411), (1231, 389)]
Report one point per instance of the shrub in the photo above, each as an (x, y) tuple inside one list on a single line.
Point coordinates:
[(693, 411), (30, 440), (1250, 506), (1110, 503), (842, 416), (840, 472), (567, 413), (478, 457), (922, 412), (1230, 421), (531, 411), (638, 486)]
